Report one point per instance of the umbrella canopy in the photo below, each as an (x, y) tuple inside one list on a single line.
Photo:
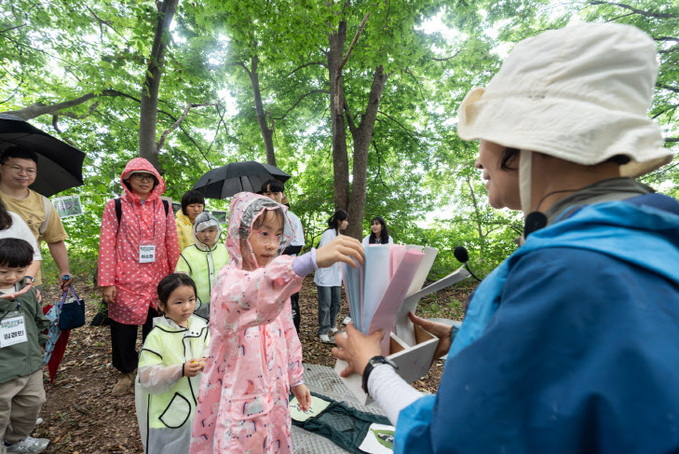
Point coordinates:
[(236, 177), (59, 164)]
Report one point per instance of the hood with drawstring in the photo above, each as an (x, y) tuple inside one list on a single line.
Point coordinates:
[(203, 221), (141, 165), (245, 207)]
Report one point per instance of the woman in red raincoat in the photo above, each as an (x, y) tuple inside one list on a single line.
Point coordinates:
[(134, 255)]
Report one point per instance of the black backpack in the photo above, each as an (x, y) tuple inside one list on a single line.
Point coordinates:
[(119, 208)]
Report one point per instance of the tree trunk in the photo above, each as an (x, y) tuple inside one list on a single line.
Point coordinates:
[(267, 133), (362, 137), (340, 157), (149, 93)]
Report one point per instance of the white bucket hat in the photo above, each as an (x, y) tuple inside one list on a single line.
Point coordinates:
[(580, 93)]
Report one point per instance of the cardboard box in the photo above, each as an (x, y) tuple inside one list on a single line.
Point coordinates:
[(412, 348)]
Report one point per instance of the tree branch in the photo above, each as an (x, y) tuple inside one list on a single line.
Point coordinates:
[(447, 58), (349, 116), (266, 88), (379, 165), (37, 109), (409, 133), (353, 44), (12, 28), (312, 92), (634, 10), (667, 87), (176, 124)]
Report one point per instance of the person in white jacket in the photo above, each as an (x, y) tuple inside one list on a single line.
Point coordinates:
[(329, 280)]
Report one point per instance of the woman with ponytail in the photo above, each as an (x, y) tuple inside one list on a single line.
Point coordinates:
[(329, 281)]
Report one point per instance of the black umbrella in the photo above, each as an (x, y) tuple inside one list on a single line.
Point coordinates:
[(236, 177), (60, 166)]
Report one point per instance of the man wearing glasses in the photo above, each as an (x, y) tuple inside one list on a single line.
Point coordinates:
[(18, 169)]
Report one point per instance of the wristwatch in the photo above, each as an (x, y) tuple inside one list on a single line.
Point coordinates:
[(372, 362), (30, 278)]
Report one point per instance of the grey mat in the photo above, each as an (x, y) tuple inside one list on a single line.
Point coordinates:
[(323, 380)]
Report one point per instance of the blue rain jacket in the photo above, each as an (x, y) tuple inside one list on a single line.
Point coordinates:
[(571, 345)]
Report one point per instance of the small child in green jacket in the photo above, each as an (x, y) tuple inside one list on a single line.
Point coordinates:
[(203, 259), (21, 333)]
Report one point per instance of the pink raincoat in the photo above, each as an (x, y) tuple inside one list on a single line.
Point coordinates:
[(255, 354), (119, 262)]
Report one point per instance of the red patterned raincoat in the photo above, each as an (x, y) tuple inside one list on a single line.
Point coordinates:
[(119, 260)]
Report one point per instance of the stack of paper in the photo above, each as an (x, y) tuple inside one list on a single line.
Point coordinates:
[(376, 290)]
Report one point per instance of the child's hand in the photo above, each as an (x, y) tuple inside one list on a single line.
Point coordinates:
[(303, 396), (341, 249), (192, 368), (12, 296)]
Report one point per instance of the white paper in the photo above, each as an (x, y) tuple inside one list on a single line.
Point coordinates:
[(377, 264), (378, 440), (430, 254), (316, 408)]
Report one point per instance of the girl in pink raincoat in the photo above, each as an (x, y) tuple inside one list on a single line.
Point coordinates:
[(255, 355), (136, 250)]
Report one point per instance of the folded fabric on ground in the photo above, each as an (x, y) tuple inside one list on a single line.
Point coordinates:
[(347, 427)]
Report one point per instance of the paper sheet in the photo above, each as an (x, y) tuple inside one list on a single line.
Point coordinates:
[(378, 440), (376, 281), (316, 408), (353, 287), (396, 255), (385, 315), (430, 254)]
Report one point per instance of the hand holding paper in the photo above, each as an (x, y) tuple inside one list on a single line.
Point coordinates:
[(342, 249), (376, 294), (356, 349)]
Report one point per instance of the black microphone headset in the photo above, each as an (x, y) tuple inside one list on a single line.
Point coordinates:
[(461, 254)]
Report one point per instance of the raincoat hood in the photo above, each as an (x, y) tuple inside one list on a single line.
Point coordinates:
[(203, 221), (136, 165), (245, 207)]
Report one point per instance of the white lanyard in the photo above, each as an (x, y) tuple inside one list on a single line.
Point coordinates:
[(147, 252)]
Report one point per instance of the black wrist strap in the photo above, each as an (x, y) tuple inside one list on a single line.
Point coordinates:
[(372, 362)]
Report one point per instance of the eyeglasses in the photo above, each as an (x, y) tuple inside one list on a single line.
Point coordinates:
[(266, 238), (143, 177), (30, 171)]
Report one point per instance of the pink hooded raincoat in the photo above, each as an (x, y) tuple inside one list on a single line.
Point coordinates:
[(119, 248), (255, 354)]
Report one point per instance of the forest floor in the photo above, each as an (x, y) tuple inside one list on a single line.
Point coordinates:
[(82, 417)]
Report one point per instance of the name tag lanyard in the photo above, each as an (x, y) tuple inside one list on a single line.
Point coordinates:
[(152, 253), (16, 289)]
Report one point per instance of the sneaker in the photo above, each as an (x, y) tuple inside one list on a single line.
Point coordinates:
[(346, 320), (333, 330), (325, 339), (29, 444)]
